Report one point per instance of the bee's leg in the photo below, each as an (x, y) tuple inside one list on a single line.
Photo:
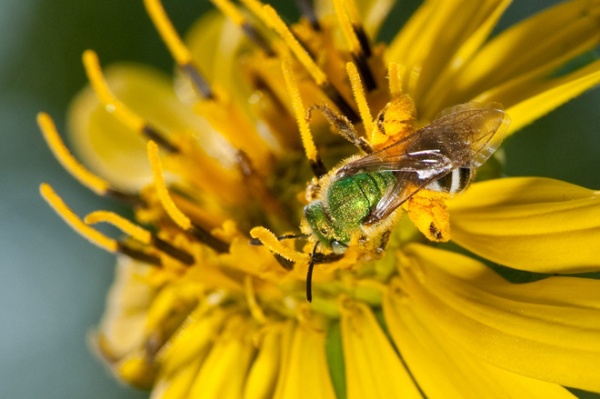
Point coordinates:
[(343, 126), (428, 211)]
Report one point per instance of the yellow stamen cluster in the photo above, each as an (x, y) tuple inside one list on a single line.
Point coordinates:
[(300, 112), (222, 218), (116, 107), (64, 156), (178, 50), (359, 96), (172, 207), (95, 237), (163, 193)]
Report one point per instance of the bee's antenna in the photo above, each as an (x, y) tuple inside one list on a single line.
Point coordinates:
[(311, 266)]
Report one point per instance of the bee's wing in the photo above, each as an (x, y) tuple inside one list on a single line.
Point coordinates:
[(407, 185), (466, 135)]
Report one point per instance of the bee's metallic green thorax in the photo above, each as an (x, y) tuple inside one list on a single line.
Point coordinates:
[(344, 205)]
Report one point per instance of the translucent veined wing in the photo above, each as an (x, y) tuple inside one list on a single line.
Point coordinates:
[(464, 136)]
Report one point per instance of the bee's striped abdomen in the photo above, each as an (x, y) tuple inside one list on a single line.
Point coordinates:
[(454, 182)]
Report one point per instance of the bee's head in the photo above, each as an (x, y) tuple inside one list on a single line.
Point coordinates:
[(397, 118), (324, 228)]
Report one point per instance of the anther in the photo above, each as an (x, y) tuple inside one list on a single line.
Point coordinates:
[(308, 11), (232, 12), (396, 75), (350, 26), (75, 168), (139, 234), (138, 254), (93, 236), (208, 239), (116, 107), (173, 211), (299, 112), (66, 159), (270, 17), (178, 50), (171, 250), (359, 97), (335, 96)]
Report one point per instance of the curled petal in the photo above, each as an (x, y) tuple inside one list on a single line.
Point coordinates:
[(224, 370), (265, 368), (443, 370), (184, 355), (304, 372), (440, 37), (372, 12), (118, 153), (546, 330), (130, 298), (533, 47), (534, 224), (216, 44), (527, 100)]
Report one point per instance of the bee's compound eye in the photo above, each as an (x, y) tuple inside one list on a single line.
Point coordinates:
[(323, 231)]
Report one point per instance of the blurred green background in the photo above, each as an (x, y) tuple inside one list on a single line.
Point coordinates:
[(52, 282)]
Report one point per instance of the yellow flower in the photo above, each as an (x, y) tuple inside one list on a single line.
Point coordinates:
[(200, 309)]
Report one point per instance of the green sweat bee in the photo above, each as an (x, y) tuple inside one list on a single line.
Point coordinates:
[(442, 156), (358, 198)]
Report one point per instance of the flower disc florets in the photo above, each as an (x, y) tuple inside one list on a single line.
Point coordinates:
[(236, 181)]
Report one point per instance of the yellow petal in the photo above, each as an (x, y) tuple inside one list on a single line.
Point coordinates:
[(443, 370), (439, 36), (170, 308), (191, 343), (405, 41), (130, 297), (304, 372), (118, 153), (264, 372), (547, 330), (373, 368), (436, 98), (373, 13), (533, 47), (216, 44), (534, 224), (177, 385), (526, 100), (224, 370)]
